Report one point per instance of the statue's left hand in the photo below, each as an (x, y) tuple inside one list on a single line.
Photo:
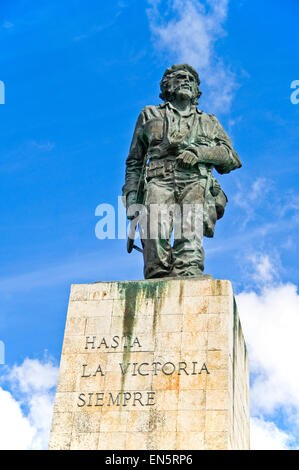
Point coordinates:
[(187, 159)]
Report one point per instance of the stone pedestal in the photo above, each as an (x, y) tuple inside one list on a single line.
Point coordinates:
[(159, 364)]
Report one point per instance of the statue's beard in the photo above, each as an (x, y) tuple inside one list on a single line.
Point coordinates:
[(183, 92)]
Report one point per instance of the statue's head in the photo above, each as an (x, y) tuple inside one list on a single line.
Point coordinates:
[(180, 79)]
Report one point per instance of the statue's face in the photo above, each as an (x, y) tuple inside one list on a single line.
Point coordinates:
[(182, 84)]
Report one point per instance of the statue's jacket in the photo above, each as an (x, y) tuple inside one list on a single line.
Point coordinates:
[(162, 133)]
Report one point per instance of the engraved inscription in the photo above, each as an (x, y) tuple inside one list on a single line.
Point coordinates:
[(122, 398)]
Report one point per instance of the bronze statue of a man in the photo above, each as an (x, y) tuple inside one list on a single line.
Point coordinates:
[(173, 152)]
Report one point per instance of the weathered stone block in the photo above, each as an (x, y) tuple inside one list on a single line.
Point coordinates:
[(158, 364)]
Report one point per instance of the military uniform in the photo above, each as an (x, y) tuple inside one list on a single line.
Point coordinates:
[(161, 135)]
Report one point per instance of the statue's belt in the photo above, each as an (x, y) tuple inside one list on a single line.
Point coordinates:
[(159, 166), (164, 163)]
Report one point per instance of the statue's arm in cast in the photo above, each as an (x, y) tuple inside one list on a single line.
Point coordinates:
[(217, 151)]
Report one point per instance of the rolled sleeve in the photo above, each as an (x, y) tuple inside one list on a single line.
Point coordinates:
[(221, 139), (135, 159)]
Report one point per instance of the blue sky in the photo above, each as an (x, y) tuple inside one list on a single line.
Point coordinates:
[(76, 76)]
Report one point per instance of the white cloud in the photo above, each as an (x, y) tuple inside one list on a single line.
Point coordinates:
[(260, 197), (270, 322), (33, 376), (266, 436), (264, 272), (16, 431), (190, 36), (291, 204), (26, 408), (251, 196)]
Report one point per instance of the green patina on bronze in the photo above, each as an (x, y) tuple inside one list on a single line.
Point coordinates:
[(174, 150)]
